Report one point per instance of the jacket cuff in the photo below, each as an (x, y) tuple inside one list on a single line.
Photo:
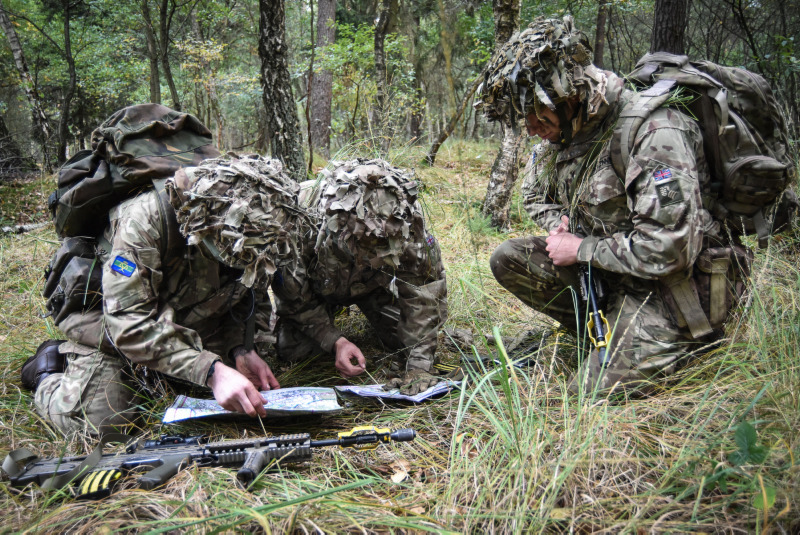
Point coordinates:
[(328, 338), (586, 249), (202, 365)]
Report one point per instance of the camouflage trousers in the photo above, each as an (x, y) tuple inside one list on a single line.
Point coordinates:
[(645, 341), (95, 394), (409, 325)]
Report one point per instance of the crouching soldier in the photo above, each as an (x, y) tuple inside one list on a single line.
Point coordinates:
[(370, 248), (184, 280)]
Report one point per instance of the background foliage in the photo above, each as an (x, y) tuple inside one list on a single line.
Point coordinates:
[(212, 51)]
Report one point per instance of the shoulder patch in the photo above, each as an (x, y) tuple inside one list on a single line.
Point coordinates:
[(123, 266)]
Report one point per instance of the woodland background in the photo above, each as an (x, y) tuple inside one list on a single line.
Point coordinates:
[(713, 450), (298, 78)]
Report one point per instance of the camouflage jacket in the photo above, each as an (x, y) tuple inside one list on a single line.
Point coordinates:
[(648, 224), (176, 318), (327, 276)]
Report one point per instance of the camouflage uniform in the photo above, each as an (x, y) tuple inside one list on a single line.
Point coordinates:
[(640, 230), (372, 250), (170, 307)]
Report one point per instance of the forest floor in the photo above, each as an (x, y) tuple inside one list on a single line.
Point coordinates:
[(713, 450)]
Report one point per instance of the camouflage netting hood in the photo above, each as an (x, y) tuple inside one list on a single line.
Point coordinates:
[(243, 210), (547, 63), (369, 210)]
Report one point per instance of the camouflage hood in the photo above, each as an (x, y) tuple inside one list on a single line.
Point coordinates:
[(243, 210), (547, 63), (368, 210)]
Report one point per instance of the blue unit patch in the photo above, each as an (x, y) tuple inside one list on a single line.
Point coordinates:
[(123, 266)]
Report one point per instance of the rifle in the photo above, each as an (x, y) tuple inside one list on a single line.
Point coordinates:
[(592, 293), (161, 459)]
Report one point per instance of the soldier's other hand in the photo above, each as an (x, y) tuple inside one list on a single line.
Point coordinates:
[(235, 392), (562, 248), (346, 353), (413, 382), (249, 364)]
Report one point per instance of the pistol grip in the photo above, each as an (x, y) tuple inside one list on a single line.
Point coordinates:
[(163, 472), (252, 466)]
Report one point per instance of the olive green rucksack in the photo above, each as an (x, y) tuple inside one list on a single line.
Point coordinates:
[(133, 150), (129, 149), (744, 136)]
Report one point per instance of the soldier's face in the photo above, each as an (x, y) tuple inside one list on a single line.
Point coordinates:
[(544, 124)]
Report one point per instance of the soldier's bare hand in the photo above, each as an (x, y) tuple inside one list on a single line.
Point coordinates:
[(562, 248), (235, 392), (249, 364), (346, 353)]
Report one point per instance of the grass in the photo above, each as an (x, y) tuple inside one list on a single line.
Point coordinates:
[(714, 450)]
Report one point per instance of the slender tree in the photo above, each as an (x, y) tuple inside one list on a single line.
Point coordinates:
[(153, 53), (42, 131), (381, 122), (505, 169), (322, 82), (600, 33), (282, 122)]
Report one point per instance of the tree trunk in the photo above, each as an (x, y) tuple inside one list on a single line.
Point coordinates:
[(282, 121), (451, 125), (382, 90), (669, 26), (152, 54), (42, 129), (165, 21), (446, 40), (322, 82), (12, 162), (63, 125), (600, 34), (506, 166)]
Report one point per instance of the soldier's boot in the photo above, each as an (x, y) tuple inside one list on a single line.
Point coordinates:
[(46, 361)]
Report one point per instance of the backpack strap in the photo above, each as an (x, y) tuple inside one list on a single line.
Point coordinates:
[(630, 120), (173, 241)]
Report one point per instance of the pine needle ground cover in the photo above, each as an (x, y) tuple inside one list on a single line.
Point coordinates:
[(713, 450)]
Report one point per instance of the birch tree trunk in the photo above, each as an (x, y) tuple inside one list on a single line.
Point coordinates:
[(505, 169), (42, 129), (282, 122)]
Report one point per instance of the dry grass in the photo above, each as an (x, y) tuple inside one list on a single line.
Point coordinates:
[(510, 453)]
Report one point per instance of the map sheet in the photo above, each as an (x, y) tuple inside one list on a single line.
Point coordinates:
[(281, 402)]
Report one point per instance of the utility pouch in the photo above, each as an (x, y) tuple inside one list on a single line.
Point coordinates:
[(73, 279), (703, 299)]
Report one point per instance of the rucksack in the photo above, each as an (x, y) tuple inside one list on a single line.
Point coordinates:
[(745, 138), (135, 149), (129, 149)]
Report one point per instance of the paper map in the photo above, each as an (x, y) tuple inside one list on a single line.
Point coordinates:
[(377, 391), (281, 402)]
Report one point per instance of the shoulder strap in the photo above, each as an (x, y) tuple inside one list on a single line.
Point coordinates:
[(173, 240), (630, 120)]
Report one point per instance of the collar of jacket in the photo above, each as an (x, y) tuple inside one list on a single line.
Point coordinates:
[(595, 129)]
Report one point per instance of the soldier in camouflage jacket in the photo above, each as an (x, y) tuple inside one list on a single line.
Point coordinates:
[(635, 233), (370, 248), (180, 304)]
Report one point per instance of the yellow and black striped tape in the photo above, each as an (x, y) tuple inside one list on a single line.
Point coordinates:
[(98, 484)]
